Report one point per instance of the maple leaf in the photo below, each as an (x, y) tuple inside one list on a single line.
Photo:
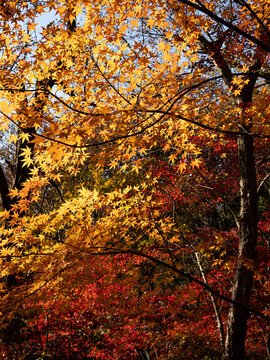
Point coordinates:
[(4, 214), (26, 153), (114, 163), (24, 137), (32, 26), (173, 157), (14, 192), (96, 207), (196, 162), (181, 167)]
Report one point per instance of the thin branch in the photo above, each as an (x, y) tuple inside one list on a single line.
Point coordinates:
[(247, 6), (226, 23), (162, 236), (220, 195), (263, 182), (176, 98), (24, 255), (105, 78), (65, 104), (39, 135), (215, 305), (39, 288), (149, 257), (174, 269)]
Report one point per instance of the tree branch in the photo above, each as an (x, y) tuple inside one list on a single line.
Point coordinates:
[(226, 23), (176, 270), (262, 183)]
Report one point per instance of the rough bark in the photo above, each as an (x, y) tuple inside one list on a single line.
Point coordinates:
[(242, 288)]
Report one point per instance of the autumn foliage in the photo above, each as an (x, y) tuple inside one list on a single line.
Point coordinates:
[(134, 180)]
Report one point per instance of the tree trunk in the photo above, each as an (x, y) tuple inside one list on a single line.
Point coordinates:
[(242, 288)]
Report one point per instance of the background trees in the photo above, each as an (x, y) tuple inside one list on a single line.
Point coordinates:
[(138, 192)]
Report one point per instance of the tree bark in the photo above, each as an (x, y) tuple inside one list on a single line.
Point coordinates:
[(242, 288), (247, 222), (4, 190)]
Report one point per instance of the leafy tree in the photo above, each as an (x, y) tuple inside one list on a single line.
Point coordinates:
[(142, 131)]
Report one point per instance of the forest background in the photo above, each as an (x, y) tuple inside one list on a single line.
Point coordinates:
[(134, 180)]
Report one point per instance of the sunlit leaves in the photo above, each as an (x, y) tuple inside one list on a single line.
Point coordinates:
[(117, 118)]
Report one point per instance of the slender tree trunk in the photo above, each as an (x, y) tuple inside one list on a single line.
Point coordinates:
[(247, 223), (241, 292), (215, 305)]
